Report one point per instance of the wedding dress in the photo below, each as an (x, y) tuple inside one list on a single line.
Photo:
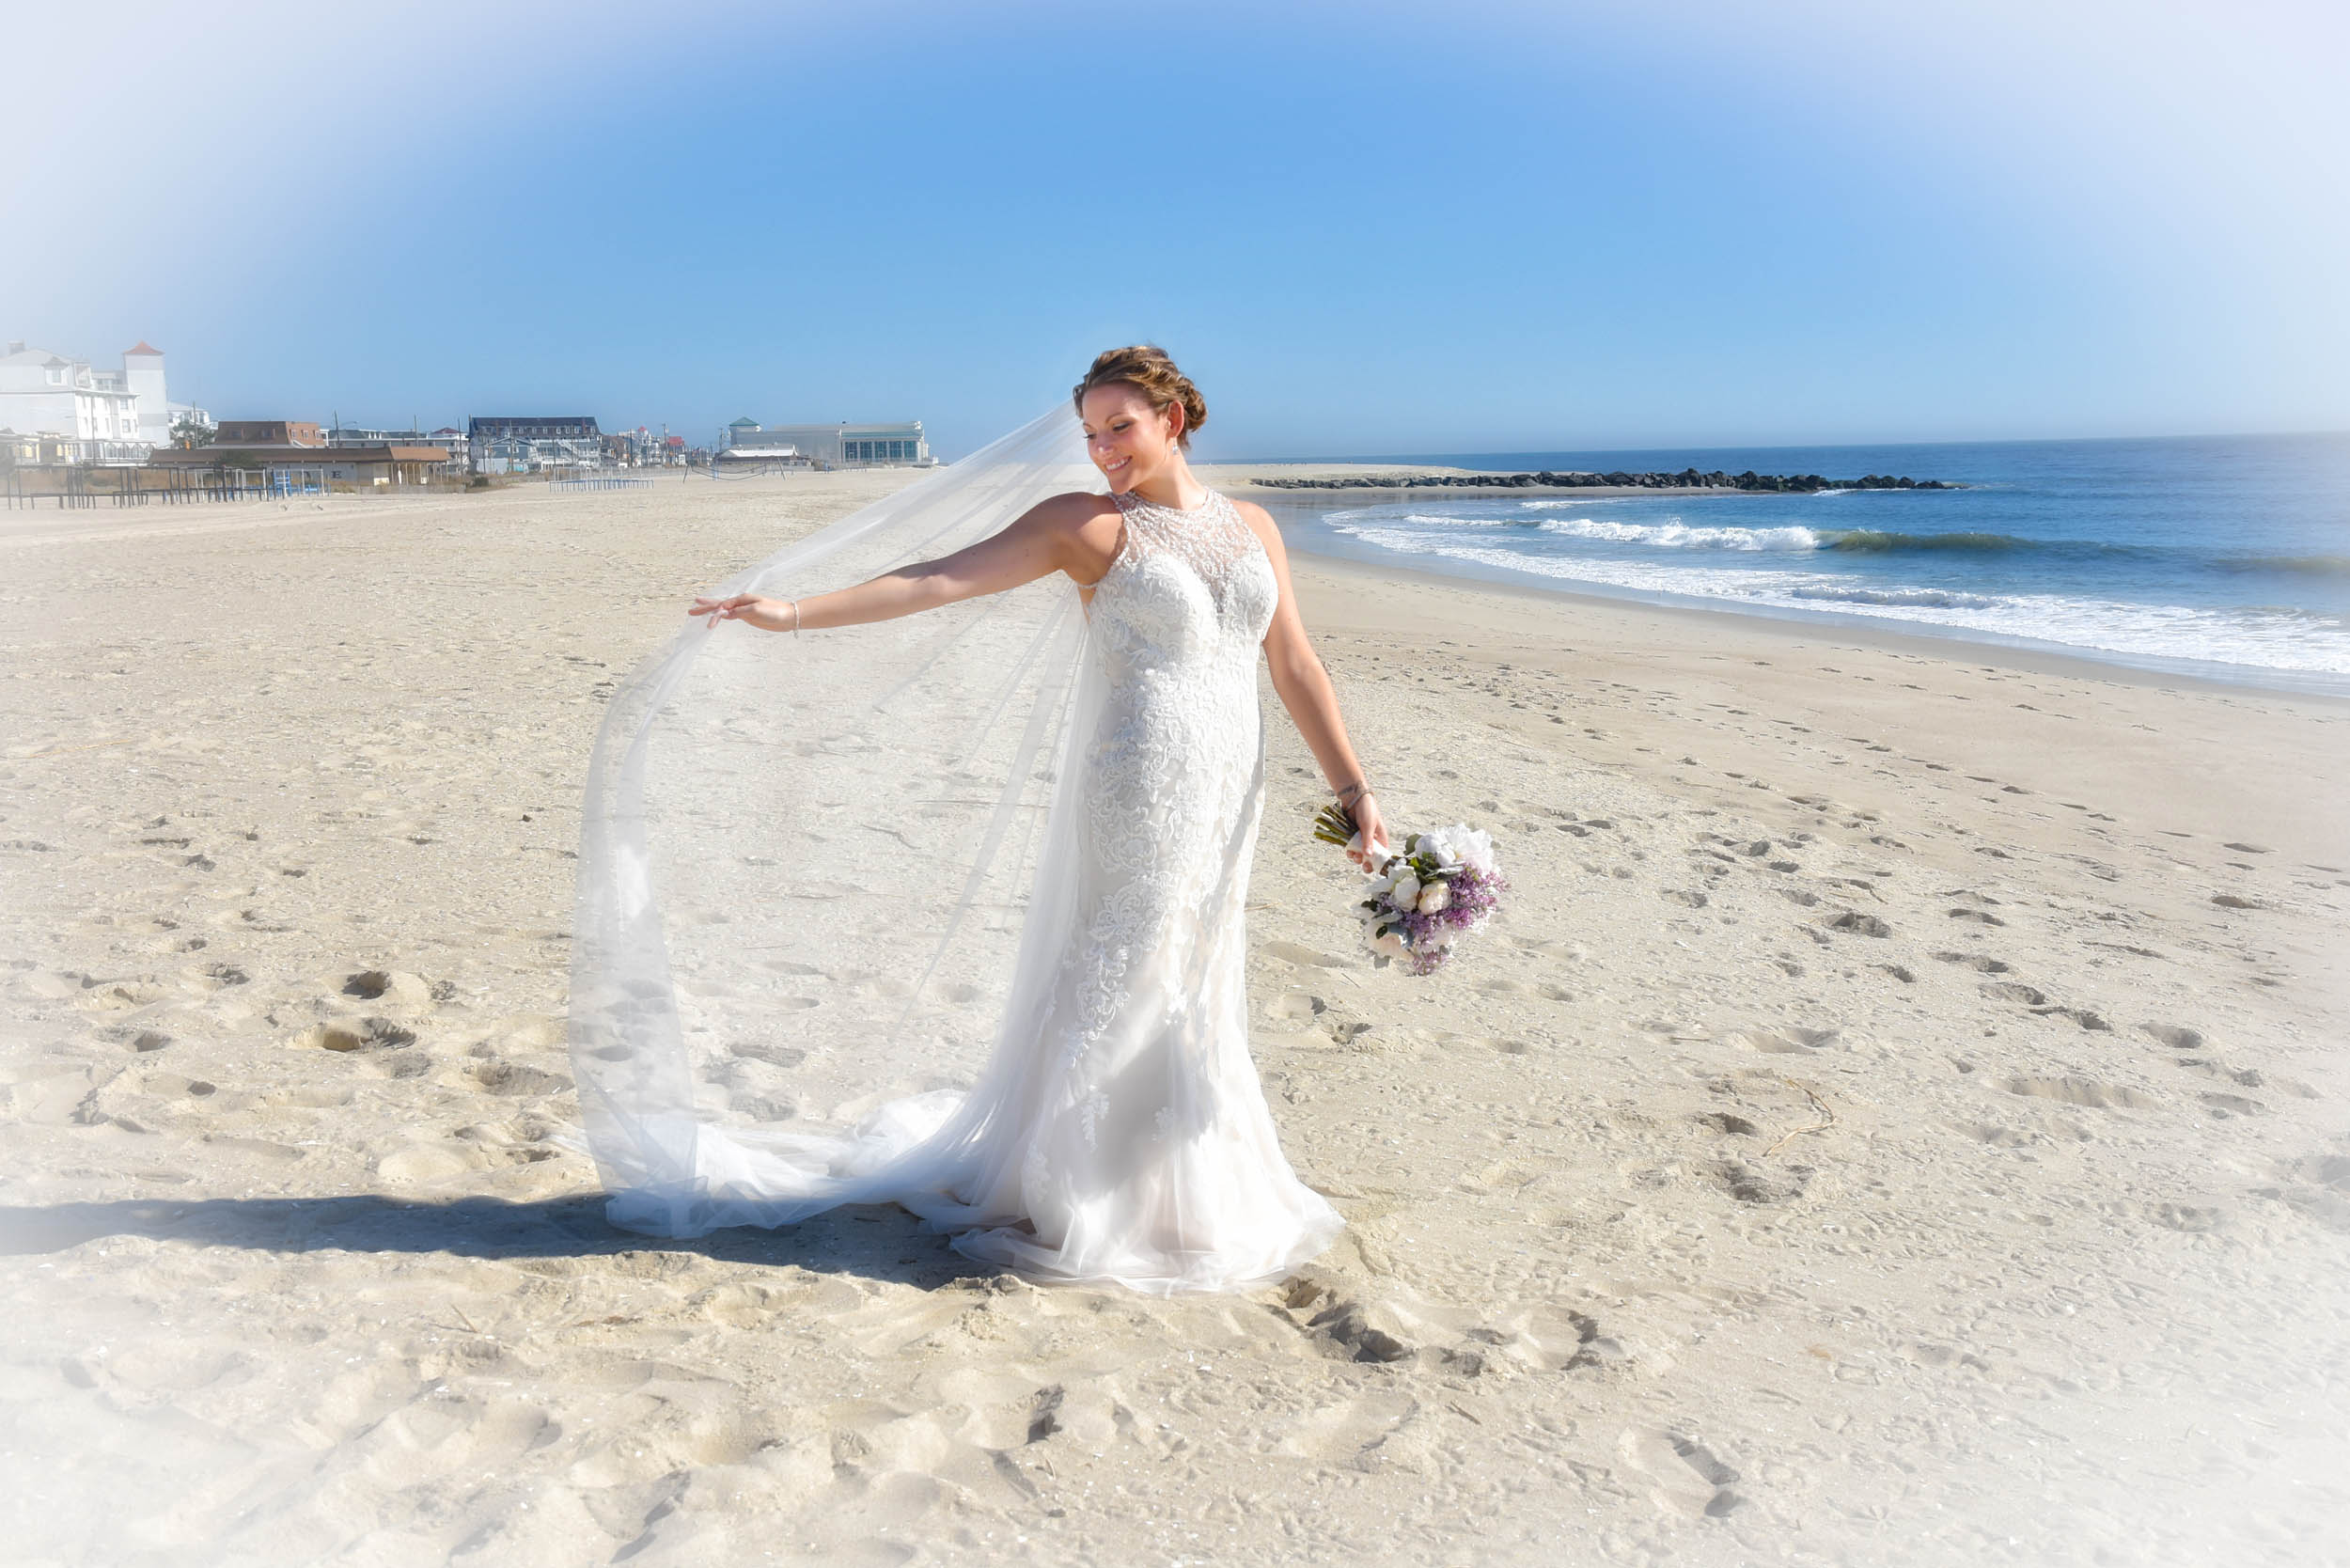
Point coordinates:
[(1117, 1132)]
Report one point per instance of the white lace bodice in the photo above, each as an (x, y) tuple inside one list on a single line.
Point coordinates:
[(1184, 584), (1177, 621)]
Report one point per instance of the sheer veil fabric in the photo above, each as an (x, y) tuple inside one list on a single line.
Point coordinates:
[(945, 911)]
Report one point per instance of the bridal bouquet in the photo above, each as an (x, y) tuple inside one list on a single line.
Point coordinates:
[(1443, 886)]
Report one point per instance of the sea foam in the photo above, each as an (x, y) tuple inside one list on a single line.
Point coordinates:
[(2280, 640)]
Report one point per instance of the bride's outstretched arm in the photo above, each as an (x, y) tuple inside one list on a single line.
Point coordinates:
[(1074, 533), (1303, 687)]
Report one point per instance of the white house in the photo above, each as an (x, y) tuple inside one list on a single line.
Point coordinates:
[(110, 416)]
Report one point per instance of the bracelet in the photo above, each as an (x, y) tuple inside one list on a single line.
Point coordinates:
[(1350, 793), (795, 617)]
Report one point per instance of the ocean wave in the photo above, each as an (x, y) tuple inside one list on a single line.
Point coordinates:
[(1677, 535), (1849, 594), (1877, 541), (2306, 566), (2285, 639), (1681, 536)]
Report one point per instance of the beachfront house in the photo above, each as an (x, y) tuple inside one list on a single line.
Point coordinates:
[(312, 467), (530, 444), (88, 415)]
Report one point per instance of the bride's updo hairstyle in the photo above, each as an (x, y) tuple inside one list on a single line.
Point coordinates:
[(1146, 367)]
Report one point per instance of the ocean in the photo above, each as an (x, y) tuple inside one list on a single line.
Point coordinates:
[(2226, 557)]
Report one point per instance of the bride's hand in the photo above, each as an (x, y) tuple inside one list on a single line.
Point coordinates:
[(1369, 848), (768, 615)]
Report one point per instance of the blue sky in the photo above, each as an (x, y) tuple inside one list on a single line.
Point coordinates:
[(1363, 227)]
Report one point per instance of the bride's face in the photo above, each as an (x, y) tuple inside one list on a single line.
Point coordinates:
[(1128, 440)]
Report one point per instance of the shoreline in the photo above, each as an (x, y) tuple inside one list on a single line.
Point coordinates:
[(1955, 646), (2035, 746), (1288, 505)]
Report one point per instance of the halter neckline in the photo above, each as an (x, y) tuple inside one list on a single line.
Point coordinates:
[(1131, 498)]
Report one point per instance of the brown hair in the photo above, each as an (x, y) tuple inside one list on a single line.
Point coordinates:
[(1146, 367)]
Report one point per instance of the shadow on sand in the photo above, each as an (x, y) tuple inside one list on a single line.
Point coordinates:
[(871, 1242)]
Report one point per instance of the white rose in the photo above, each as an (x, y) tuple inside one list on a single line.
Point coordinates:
[(1405, 893), (1389, 944), (1434, 897), (1474, 846)]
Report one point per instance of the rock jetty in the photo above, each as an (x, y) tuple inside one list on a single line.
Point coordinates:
[(1688, 478)]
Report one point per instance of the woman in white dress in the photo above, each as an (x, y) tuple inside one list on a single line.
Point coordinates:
[(1123, 1137)]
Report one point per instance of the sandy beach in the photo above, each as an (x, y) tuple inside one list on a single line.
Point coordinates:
[(1901, 1117)]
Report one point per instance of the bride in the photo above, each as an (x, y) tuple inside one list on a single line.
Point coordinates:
[(1119, 1134)]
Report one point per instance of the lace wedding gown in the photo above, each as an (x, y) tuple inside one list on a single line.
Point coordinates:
[(1119, 1134)]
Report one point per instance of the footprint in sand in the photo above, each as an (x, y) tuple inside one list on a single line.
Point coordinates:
[(512, 1078), (1788, 1042), (1983, 961), (2081, 1091), (1344, 1324), (1684, 1476), (1750, 1185), (2082, 1016), (2243, 1078), (367, 1034), (1295, 1009), (375, 984)]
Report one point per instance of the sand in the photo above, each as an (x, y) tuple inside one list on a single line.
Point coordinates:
[(1901, 1117)]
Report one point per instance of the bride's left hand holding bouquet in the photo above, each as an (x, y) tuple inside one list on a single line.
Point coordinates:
[(1444, 885)]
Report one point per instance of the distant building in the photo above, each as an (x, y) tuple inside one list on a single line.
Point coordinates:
[(351, 436), (85, 415), (636, 448), (266, 432), (313, 465), (830, 446), (746, 442), (527, 444)]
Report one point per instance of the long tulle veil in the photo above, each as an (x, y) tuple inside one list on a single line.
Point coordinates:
[(807, 865)]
